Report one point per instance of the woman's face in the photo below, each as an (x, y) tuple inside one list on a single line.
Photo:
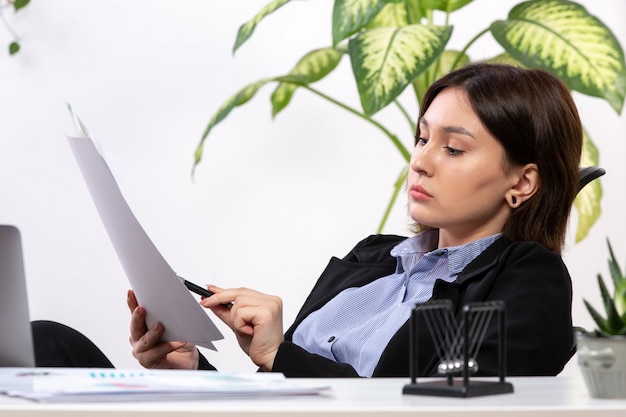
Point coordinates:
[(459, 175)]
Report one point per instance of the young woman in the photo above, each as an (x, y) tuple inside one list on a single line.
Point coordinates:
[(492, 180)]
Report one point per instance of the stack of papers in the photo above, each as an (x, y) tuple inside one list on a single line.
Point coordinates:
[(104, 385), (157, 286)]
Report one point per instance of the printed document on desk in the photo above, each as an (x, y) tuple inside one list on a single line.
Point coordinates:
[(105, 385), (155, 283)]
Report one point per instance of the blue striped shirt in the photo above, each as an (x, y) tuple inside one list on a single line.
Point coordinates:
[(356, 325)]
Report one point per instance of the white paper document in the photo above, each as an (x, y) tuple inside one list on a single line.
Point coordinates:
[(155, 283), (105, 385)]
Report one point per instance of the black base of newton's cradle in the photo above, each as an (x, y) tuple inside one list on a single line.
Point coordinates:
[(443, 388)]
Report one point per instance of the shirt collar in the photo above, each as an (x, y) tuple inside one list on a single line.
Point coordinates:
[(460, 256), (425, 243)]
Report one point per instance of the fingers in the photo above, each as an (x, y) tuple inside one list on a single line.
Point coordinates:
[(222, 297), (148, 340), (147, 346), (255, 310), (138, 326), (257, 322), (255, 317), (151, 354), (131, 300), (145, 342), (225, 302), (141, 338)]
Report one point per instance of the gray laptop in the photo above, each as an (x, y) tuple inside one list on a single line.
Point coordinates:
[(16, 340)]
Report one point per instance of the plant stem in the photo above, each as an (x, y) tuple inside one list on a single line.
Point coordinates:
[(400, 181), (462, 53), (6, 23), (406, 115), (394, 139)]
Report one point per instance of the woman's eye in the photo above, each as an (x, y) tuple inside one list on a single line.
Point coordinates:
[(453, 152), (420, 141)]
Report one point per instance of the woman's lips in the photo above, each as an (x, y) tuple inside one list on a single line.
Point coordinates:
[(419, 193)]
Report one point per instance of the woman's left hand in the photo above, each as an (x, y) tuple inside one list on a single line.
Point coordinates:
[(255, 318)]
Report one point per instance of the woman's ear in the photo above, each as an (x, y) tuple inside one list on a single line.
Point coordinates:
[(524, 184)]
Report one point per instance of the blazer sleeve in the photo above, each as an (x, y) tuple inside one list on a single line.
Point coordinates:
[(204, 364), (294, 361)]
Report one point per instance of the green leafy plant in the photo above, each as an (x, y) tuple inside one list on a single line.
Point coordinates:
[(397, 48), (614, 305), (16, 5)]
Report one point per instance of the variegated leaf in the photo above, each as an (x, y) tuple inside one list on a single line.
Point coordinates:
[(349, 16), (312, 67), (238, 99), (392, 15), (587, 201), (563, 38), (245, 30), (415, 12), (449, 59), (443, 5), (386, 60), (506, 59)]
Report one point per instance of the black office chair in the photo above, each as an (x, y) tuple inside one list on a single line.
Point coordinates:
[(585, 176), (588, 174)]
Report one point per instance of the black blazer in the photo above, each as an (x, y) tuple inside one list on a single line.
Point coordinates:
[(532, 281)]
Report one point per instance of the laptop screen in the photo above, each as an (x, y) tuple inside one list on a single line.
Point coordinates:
[(16, 341)]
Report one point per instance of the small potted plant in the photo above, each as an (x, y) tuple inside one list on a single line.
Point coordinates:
[(602, 352)]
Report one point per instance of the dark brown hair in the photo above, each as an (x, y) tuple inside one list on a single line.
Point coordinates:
[(532, 114)]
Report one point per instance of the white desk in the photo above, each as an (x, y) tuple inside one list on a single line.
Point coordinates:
[(554, 397)]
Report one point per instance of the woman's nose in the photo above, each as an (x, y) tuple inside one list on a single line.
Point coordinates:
[(420, 158)]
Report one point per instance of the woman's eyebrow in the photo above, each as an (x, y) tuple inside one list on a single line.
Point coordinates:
[(458, 129), (450, 129)]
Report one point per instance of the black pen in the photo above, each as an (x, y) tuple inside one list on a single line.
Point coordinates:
[(195, 288), (199, 290)]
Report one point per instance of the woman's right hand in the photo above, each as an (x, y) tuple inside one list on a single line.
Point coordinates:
[(149, 351)]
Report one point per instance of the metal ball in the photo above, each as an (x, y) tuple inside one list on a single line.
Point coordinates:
[(455, 366)]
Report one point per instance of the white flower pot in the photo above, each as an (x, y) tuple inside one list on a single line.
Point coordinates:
[(602, 361)]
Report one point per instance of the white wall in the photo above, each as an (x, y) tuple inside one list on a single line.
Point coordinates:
[(272, 200)]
